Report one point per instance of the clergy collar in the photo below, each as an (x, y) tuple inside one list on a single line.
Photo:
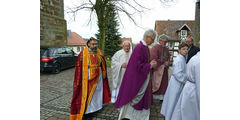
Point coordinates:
[(144, 43)]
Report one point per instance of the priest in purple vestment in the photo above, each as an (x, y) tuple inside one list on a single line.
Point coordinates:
[(160, 53), (135, 94)]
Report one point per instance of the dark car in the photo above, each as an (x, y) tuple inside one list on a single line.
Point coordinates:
[(54, 59)]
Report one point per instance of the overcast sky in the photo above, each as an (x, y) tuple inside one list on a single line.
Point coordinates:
[(180, 10)]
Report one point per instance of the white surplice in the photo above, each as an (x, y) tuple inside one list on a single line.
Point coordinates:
[(118, 59), (188, 106), (175, 86), (96, 103)]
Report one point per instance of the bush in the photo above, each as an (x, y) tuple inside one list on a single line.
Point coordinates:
[(108, 62)]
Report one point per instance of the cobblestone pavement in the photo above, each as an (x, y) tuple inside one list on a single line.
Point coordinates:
[(56, 95)]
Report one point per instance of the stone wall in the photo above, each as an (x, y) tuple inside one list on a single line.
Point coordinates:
[(53, 29)]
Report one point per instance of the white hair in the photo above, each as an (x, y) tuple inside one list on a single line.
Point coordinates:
[(149, 33), (163, 36), (126, 41)]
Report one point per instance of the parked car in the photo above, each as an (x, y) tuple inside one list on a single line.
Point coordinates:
[(55, 59)]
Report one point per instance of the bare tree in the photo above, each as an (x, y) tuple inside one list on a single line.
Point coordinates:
[(168, 3), (102, 10)]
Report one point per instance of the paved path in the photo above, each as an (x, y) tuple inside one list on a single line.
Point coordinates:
[(56, 95)]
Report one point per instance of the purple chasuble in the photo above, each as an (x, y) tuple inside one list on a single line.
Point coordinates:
[(136, 73)]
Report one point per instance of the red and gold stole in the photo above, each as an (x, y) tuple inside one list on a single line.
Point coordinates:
[(92, 62)]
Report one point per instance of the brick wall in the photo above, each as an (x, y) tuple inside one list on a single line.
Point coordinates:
[(53, 29), (52, 7)]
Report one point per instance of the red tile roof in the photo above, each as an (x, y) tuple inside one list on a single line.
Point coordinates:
[(75, 40), (171, 27)]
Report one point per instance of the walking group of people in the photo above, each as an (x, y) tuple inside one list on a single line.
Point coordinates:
[(136, 75)]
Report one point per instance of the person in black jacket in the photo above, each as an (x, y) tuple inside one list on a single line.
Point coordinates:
[(192, 50)]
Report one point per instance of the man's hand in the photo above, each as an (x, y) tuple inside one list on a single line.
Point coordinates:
[(153, 63), (166, 63), (124, 65)]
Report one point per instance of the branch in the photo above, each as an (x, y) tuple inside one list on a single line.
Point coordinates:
[(120, 18), (127, 3), (90, 17), (140, 5), (167, 3), (121, 7), (91, 2), (75, 9), (128, 14)]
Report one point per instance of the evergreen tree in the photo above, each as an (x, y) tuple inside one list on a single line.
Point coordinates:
[(113, 37)]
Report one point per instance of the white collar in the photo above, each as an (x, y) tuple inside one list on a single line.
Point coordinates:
[(144, 43)]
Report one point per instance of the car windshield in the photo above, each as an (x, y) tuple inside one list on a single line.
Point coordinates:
[(43, 52)]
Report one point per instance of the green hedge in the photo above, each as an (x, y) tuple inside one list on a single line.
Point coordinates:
[(108, 63)]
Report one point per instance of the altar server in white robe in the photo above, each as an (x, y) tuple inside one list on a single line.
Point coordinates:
[(188, 106), (118, 67), (176, 82)]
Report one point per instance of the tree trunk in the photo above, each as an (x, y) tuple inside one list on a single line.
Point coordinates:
[(103, 37), (102, 32)]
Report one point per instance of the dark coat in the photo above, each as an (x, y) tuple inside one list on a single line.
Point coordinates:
[(193, 51)]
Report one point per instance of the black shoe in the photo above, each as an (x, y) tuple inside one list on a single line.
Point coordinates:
[(90, 118), (125, 119), (87, 117)]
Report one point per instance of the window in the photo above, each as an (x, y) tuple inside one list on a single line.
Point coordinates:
[(69, 51), (171, 45), (61, 51), (176, 43), (175, 53), (183, 34), (50, 2), (78, 49)]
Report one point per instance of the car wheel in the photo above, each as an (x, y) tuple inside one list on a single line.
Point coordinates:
[(57, 69)]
